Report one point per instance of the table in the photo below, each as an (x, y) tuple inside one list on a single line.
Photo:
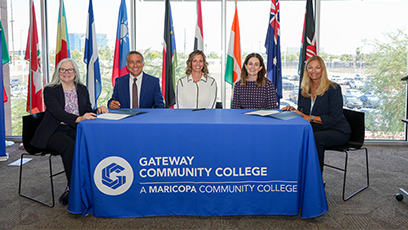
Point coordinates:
[(203, 163)]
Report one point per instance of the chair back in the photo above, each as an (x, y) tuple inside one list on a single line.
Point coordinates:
[(357, 125), (30, 124), (218, 105)]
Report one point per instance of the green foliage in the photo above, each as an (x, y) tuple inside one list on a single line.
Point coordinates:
[(289, 57), (346, 57), (18, 110), (105, 65), (324, 56), (213, 55), (388, 64), (153, 63)]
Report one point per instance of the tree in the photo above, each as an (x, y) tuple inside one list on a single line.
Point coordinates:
[(387, 65), (213, 55), (345, 57), (290, 57)]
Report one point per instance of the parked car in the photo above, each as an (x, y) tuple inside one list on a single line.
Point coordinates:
[(18, 91), (358, 77), (295, 77), (369, 101), (369, 93), (347, 80), (286, 77), (352, 102), (338, 80), (14, 82), (353, 92), (334, 77), (355, 84), (287, 85), (293, 95)]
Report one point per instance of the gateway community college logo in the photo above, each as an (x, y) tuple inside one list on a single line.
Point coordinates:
[(113, 176)]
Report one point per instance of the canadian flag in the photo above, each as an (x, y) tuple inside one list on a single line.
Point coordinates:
[(34, 99)]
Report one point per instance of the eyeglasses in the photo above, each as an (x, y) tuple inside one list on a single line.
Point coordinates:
[(70, 70)]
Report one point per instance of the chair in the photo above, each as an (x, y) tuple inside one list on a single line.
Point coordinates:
[(218, 105), (356, 122), (30, 124)]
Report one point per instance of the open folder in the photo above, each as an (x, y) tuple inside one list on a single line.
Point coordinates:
[(119, 114), (286, 115)]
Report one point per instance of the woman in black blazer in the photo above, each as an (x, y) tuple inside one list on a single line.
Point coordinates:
[(321, 103), (67, 103)]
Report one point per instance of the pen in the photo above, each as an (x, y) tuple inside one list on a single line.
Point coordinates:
[(117, 101), (198, 109)]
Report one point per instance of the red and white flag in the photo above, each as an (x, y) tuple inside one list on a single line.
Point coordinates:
[(34, 99), (199, 34)]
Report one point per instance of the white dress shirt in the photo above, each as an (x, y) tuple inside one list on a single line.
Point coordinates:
[(192, 95)]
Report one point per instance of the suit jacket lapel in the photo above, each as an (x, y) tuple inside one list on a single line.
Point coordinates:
[(126, 90), (143, 89)]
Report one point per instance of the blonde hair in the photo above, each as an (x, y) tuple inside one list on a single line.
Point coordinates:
[(325, 83)]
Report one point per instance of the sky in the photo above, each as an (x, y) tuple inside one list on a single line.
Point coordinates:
[(344, 24)]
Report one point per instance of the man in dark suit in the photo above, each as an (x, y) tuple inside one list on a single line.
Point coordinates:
[(147, 94)]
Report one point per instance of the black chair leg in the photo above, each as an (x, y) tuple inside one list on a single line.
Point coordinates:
[(345, 175), (51, 179), (345, 172)]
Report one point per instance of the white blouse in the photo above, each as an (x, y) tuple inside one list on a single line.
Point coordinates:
[(192, 95)]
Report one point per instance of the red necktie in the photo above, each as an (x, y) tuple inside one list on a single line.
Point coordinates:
[(135, 100)]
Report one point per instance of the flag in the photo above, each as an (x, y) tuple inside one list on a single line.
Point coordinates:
[(62, 50), (308, 47), (233, 66), (34, 95), (199, 34), (272, 45), (121, 44), (5, 58), (91, 59), (169, 58)]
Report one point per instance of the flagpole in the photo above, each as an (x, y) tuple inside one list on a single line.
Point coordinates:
[(30, 76), (133, 24), (317, 29), (223, 50), (44, 39)]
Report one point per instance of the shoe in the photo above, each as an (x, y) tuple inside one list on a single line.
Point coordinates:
[(64, 197), (324, 184)]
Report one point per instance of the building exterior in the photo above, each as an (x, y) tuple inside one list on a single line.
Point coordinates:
[(77, 41)]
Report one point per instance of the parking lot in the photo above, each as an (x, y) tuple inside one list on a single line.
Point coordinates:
[(352, 86)]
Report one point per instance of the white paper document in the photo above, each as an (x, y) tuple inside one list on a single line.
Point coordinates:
[(113, 116), (263, 112), (286, 115)]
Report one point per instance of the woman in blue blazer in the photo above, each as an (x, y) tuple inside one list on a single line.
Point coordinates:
[(321, 103), (67, 103)]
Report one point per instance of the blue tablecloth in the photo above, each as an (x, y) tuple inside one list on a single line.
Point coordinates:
[(204, 163)]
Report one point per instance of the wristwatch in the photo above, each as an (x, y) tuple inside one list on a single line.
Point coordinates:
[(312, 118)]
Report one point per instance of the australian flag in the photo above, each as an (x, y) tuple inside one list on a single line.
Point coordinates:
[(272, 45)]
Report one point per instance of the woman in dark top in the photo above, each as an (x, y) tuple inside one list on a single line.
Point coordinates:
[(321, 103), (67, 103), (254, 90)]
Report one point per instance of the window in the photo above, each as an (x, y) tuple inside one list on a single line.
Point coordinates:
[(351, 33)]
